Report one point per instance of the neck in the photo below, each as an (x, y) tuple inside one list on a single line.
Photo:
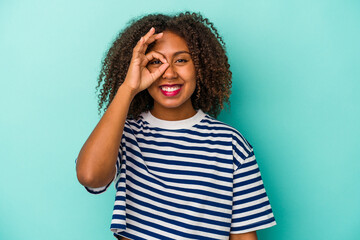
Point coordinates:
[(173, 114)]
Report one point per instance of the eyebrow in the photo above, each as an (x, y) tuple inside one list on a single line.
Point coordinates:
[(176, 53)]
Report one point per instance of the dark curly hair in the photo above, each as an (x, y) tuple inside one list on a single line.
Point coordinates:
[(207, 49)]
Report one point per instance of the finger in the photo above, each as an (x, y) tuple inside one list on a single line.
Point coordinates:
[(138, 47), (142, 44), (154, 37), (150, 40), (145, 38), (149, 33), (153, 55), (159, 71)]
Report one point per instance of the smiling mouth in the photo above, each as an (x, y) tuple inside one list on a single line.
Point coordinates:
[(170, 90)]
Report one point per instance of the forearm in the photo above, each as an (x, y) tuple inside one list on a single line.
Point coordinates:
[(244, 236), (97, 158)]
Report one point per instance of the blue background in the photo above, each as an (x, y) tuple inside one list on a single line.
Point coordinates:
[(296, 72)]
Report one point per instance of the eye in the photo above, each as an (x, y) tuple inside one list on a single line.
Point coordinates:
[(156, 61), (181, 60)]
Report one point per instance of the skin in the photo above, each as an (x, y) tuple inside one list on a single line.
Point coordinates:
[(168, 62), (181, 71)]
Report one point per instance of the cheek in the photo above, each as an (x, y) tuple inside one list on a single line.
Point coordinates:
[(151, 90)]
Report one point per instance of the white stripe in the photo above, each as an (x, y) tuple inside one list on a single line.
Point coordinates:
[(152, 229), (190, 169), (180, 193), (181, 134), (249, 204), (187, 143), (176, 218), (249, 213), (179, 210), (249, 195), (186, 151), (197, 186), (188, 159), (242, 150), (136, 233), (254, 220), (248, 186), (255, 228), (246, 178)]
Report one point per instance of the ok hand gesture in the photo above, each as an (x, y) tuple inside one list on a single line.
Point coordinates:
[(138, 76)]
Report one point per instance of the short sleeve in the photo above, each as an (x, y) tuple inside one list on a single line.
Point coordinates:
[(104, 188), (251, 207)]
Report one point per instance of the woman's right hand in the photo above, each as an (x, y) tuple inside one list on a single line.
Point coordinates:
[(138, 77)]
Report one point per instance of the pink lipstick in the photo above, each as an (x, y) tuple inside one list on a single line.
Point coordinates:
[(170, 90)]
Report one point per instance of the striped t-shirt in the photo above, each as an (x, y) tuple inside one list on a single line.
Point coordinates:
[(190, 179)]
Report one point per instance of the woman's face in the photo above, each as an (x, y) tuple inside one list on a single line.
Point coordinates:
[(173, 90)]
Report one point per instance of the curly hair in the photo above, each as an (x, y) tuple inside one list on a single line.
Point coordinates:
[(207, 50)]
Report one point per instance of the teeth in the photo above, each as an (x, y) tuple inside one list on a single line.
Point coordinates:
[(170, 89)]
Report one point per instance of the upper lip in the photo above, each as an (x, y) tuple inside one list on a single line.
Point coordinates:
[(170, 85)]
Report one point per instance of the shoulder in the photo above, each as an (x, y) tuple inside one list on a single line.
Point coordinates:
[(135, 123), (217, 125), (134, 126)]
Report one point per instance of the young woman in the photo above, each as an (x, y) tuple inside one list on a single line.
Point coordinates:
[(179, 173)]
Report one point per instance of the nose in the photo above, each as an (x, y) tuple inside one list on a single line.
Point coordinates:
[(170, 72)]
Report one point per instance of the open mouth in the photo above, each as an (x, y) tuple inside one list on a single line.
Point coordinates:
[(170, 90)]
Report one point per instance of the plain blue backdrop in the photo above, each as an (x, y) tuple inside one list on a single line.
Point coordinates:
[(296, 73)]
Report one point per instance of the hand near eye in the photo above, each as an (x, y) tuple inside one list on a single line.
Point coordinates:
[(138, 76)]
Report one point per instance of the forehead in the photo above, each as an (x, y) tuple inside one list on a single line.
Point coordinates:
[(170, 43)]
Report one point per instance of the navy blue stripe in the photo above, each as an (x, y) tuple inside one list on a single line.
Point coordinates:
[(232, 132), (122, 170), (204, 192), (251, 208), (183, 181), (117, 226), (247, 173), (90, 190), (245, 165), (196, 182), (166, 229), (250, 199), (119, 181), (192, 173), (253, 225), (246, 191), (184, 147), (178, 214), (132, 236), (169, 154), (184, 131), (144, 231), (243, 183), (119, 217), (238, 135), (256, 215), (186, 139), (138, 124), (212, 121), (184, 198), (175, 222), (249, 163), (120, 207), (240, 154), (189, 164), (216, 128)]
